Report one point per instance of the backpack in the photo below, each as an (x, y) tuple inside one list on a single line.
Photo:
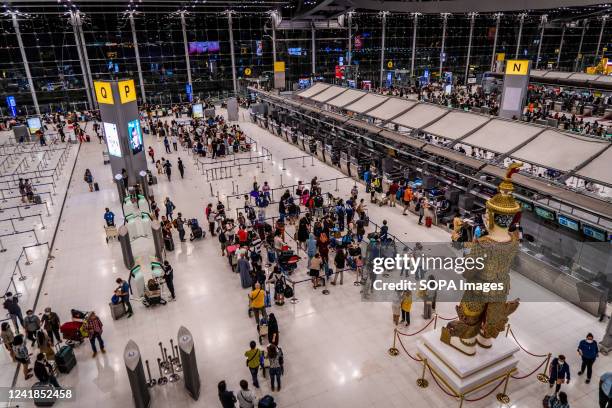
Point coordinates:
[(222, 238)]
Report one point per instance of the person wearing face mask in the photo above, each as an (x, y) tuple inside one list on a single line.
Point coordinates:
[(559, 373), (11, 304), (589, 351), (32, 325), (51, 324)]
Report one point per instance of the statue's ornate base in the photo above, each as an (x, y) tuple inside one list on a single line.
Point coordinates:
[(464, 374)]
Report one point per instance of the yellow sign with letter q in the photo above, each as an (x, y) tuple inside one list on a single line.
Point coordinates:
[(104, 92), (127, 91), (247, 71), (517, 67)]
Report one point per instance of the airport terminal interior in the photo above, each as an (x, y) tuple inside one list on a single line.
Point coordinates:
[(300, 204)]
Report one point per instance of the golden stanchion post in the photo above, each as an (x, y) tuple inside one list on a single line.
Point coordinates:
[(507, 329), (502, 396), (435, 321), (543, 377), (422, 382), (461, 400), (393, 351)]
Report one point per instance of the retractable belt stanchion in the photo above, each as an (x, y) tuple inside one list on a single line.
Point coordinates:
[(136, 375), (189, 364)]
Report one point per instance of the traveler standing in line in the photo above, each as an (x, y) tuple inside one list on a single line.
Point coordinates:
[(253, 355), (44, 371), (11, 304), (273, 330), (588, 351), (125, 178), (32, 325), (88, 177), (169, 208), (51, 324), (605, 390), (175, 142), (152, 154), (340, 263), (94, 330), (406, 307), (257, 299), (169, 278), (168, 169), (180, 227), (559, 373), (181, 167), (315, 269), (7, 336), (246, 397), (22, 355), (227, 398), (124, 293), (396, 306), (276, 370), (167, 144), (420, 208)]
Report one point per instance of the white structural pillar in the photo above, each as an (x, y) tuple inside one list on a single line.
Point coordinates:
[(442, 55), (187, 61), (520, 33), (233, 57), (543, 21), (24, 59), (274, 19), (314, 50), (382, 47), (497, 19), (469, 50), (85, 73), (349, 57), (561, 45), (579, 53), (603, 25), (415, 16), (137, 54), (79, 22)]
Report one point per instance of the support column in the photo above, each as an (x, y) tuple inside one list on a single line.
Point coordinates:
[(350, 38), (24, 59), (520, 33), (231, 39), (382, 48), (561, 45), (543, 21), (313, 51), (603, 25), (414, 32), (445, 17), (187, 61), (579, 54), (469, 51), (137, 54), (273, 19), (497, 19), (77, 41), (79, 22)]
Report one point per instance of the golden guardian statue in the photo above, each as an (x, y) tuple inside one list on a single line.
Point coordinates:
[(481, 316)]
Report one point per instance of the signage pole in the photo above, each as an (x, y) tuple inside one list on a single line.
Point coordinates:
[(24, 59)]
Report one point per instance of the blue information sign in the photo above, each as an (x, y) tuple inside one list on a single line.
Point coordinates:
[(188, 91), (12, 105)]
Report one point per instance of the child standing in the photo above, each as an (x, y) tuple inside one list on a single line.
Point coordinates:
[(406, 306)]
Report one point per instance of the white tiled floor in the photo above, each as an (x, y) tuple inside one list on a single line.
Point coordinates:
[(335, 346)]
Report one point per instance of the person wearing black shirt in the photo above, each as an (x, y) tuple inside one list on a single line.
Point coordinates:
[(169, 278), (340, 262), (227, 398), (44, 372)]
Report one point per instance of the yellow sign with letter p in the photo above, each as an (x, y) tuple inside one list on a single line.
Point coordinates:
[(104, 92), (517, 67), (127, 91), (279, 66)]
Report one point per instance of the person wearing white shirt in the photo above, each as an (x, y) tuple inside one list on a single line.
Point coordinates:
[(246, 397)]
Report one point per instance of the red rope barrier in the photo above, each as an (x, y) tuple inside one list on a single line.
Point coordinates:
[(417, 332), (447, 318), (441, 387), (487, 394), (406, 351), (523, 348), (531, 373)]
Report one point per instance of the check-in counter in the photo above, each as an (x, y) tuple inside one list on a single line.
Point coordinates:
[(253, 116), (293, 137), (311, 144), (588, 110), (329, 152), (344, 163), (558, 106), (320, 150), (302, 141), (608, 113), (354, 167), (277, 129), (283, 132)]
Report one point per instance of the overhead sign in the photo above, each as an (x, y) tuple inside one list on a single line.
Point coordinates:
[(247, 71), (12, 105), (104, 93), (389, 64), (279, 66), (127, 91), (500, 56), (517, 67)]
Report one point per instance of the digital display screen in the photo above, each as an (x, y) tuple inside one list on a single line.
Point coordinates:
[(294, 51), (135, 136), (303, 83), (112, 139), (541, 212), (594, 233), (197, 111), (203, 47), (568, 223), (259, 48), (34, 125)]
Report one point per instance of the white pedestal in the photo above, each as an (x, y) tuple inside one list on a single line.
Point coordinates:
[(465, 373)]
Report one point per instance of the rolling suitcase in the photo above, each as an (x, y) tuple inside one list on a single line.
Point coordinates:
[(65, 359), (169, 244), (96, 187), (117, 310), (42, 401), (36, 199), (428, 221), (88, 138)]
